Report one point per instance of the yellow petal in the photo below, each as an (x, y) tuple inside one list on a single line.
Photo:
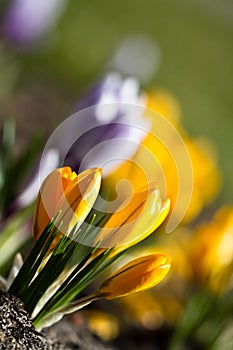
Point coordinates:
[(63, 190), (135, 221), (151, 218), (138, 275), (78, 198)]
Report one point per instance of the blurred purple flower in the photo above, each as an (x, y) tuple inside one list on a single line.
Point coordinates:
[(25, 21), (107, 127)]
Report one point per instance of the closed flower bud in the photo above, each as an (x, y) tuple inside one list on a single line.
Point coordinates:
[(138, 275), (66, 192)]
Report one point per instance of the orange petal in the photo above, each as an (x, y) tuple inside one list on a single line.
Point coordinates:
[(64, 190), (50, 192), (79, 198)]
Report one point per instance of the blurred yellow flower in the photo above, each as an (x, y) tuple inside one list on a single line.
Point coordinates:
[(202, 257), (103, 324), (165, 104), (139, 170), (206, 176), (137, 275), (66, 192), (154, 308), (211, 252)]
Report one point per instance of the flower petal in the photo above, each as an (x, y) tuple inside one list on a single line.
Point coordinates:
[(136, 220), (78, 198), (64, 191), (50, 192)]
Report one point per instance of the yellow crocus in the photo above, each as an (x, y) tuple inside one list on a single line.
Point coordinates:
[(155, 161), (134, 221), (154, 307), (66, 192), (206, 176), (211, 251), (137, 275)]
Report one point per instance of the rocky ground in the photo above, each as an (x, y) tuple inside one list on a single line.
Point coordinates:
[(17, 331)]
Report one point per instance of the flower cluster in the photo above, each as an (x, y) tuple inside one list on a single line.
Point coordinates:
[(80, 230), (74, 244)]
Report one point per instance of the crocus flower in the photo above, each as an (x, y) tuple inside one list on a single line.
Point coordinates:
[(184, 168), (107, 127), (54, 274), (66, 192), (206, 176), (25, 21), (211, 251), (138, 275), (74, 195)]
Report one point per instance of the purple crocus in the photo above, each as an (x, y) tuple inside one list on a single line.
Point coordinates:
[(107, 127), (25, 21)]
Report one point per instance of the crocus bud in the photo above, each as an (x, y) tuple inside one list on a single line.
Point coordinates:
[(138, 275), (66, 192)]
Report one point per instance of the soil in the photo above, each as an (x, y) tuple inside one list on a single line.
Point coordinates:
[(18, 332)]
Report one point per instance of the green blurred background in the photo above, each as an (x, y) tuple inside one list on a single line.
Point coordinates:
[(195, 38)]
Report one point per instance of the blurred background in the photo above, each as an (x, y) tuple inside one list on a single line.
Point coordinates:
[(51, 52), (190, 42)]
